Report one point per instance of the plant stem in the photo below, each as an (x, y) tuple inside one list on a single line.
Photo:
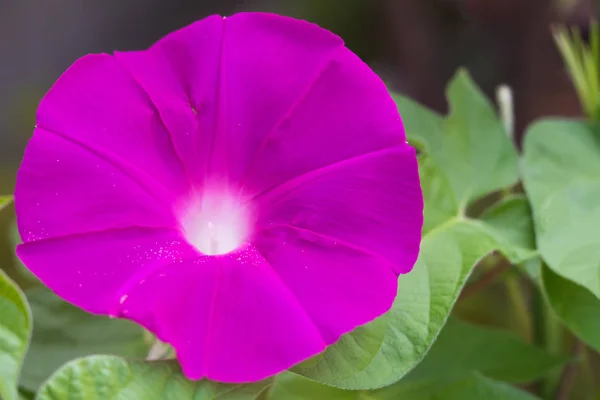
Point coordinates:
[(548, 334), (518, 303), (570, 373), (488, 277)]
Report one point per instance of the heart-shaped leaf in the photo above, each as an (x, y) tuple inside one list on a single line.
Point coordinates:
[(473, 387), (561, 172), (111, 377), (512, 226), (15, 331), (469, 147), (289, 386), (575, 305), (463, 348)]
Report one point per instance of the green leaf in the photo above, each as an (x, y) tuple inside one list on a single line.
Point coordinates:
[(111, 377), (512, 226), (561, 169), (26, 395), (425, 298), (5, 201), (63, 332), (468, 146), (532, 268), (353, 352), (289, 386), (468, 362), (473, 387), (463, 348), (582, 64), (15, 331), (576, 306), (440, 206)]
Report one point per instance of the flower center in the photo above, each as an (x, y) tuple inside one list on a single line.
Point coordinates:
[(216, 224)]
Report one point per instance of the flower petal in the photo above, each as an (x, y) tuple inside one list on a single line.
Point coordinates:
[(98, 104), (65, 188), (229, 317), (91, 270), (371, 202), (346, 112), (270, 65), (242, 76), (181, 75), (340, 287)]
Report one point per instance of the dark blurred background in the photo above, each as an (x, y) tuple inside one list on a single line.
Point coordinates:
[(415, 45)]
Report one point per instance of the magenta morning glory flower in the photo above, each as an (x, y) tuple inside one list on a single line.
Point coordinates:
[(243, 189)]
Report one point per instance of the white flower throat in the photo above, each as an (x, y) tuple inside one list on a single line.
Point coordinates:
[(217, 224)]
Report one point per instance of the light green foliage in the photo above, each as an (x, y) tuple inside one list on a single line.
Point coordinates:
[(471, 362), (473, 387), (512, 226), (561, 172), (15, 331), (353, 352), (468, 153), (290, 386), (582, 59), (64, 332), (463, 348), (111, 377), (575, 305), (466, 362)]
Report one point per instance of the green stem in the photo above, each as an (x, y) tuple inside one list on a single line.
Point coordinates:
[(518, 303), (548, 334), (587, 365), (487, 278), (570, 372)]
